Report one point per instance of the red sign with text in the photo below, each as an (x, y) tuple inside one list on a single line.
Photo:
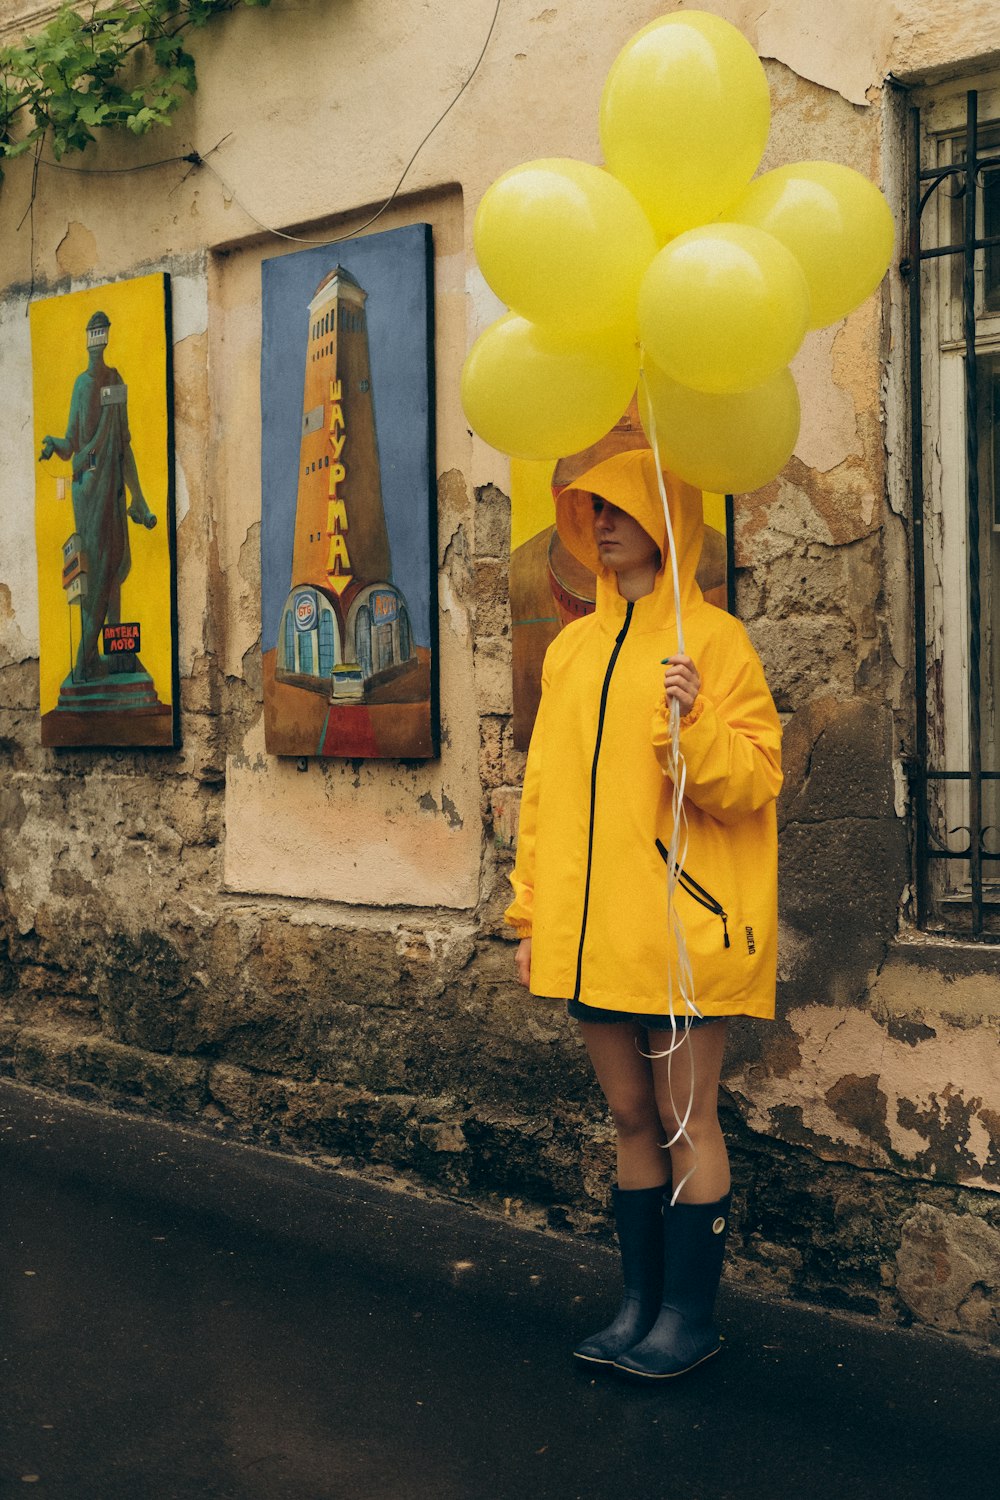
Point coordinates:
[(118, 638)]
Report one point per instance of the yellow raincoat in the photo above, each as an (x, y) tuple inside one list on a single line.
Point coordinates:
[(590, 883)]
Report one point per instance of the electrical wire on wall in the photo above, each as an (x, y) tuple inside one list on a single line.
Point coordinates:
[(359, 229), (195, 159)]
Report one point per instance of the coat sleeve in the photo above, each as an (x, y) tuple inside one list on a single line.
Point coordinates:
[(731, 747), (520, 912)]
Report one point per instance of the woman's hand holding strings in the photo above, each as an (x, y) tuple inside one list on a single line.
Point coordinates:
[(681, 682)]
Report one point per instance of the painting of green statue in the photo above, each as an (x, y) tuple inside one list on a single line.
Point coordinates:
[(106, 575)]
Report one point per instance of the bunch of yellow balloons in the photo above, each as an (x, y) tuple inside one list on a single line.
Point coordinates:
[(670, 256)]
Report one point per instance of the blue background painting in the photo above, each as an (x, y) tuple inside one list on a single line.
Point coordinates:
[(394, 268)]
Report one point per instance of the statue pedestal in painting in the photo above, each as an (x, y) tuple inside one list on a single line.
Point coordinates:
[(120, 709)]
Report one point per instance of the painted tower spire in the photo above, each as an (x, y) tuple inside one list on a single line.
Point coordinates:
[(340, 531)]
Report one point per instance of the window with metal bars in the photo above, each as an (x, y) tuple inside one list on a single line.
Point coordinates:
[(953, 271)]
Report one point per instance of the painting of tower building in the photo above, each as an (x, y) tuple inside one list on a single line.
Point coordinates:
[(349, 669)]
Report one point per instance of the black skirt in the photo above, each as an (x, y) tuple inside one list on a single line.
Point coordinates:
[(656, 1022)]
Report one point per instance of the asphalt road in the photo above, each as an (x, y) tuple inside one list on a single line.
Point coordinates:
[(183, 1317)]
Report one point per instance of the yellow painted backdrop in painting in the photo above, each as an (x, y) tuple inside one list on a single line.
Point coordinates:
[(137, 349), (532, 507)]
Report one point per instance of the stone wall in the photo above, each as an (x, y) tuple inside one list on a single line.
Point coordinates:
[(153, 953)]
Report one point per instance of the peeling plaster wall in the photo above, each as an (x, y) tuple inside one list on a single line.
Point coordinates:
[(196, 932), (883, 1096), (18, 580)]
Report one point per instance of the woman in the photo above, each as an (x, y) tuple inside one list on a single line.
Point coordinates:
[(590, 883)]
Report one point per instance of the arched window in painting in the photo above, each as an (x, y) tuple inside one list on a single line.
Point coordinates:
[(326, 647), (382, 646), (289, 657), (363, 640), (306, 654)]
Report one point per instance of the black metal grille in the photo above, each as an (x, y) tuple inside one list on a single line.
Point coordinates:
[(972, 913)]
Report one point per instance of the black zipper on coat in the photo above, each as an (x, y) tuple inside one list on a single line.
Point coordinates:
[(699, 893), (593, 789)]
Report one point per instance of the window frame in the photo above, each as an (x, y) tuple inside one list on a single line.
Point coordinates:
[(952, 332)]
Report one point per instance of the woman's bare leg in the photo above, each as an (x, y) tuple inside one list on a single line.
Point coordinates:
[(704, 1148), (626, 1078)]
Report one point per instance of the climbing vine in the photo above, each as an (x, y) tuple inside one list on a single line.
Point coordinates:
[(99, 67)]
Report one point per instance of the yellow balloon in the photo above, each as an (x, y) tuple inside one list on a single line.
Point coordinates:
[(834, 221), (684, 118), (564, 244), (722, 308), (534, 393), (726, 444)]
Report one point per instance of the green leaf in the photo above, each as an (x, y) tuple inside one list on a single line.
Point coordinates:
[(141, 121), (94, 114), (123, 65), (19, 148)]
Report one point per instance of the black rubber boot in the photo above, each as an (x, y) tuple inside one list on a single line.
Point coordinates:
[(639, 1222), (684, 1334)]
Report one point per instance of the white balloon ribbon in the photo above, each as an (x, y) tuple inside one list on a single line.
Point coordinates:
[(680, 978)]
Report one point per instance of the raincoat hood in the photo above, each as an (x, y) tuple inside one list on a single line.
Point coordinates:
[(628, 481)]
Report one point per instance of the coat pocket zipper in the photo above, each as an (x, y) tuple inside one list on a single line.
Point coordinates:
[(699, 894)]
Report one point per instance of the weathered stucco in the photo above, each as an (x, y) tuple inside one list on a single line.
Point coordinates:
[(883, 1096), (315, 957)]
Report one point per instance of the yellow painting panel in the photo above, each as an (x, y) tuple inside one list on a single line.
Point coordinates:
[(714, 510), (532, 507), (137, 349)]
